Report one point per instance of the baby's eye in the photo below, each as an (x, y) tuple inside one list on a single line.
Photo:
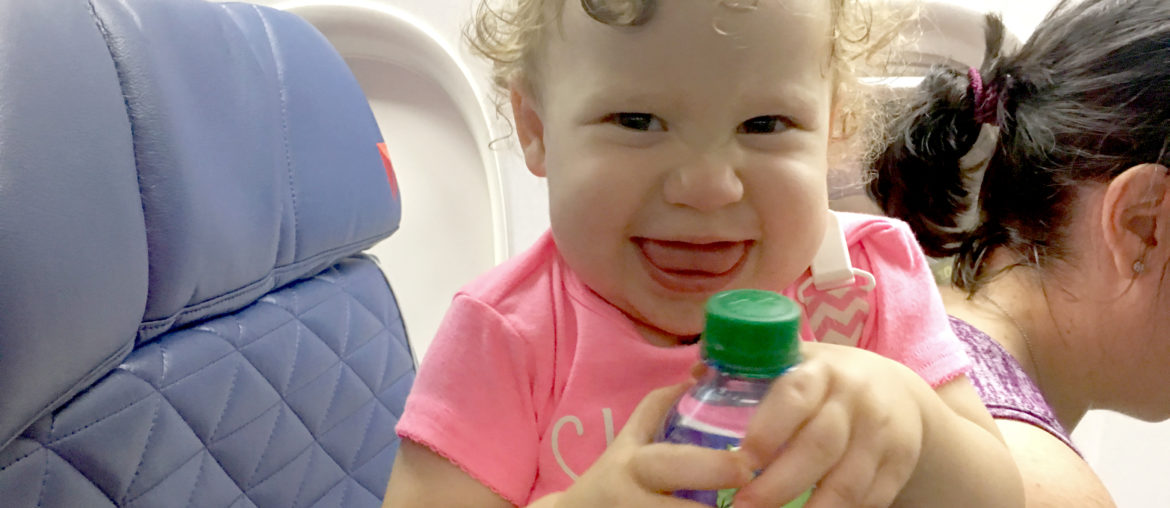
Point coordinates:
[(764, 125), (636, 121)]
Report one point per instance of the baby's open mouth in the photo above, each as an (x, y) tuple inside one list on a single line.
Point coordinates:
[(686, 266), (693, 258)]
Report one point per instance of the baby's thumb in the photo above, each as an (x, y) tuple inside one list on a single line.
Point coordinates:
[(648, 417)]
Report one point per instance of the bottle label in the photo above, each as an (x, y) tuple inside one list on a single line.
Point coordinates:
[(684, 430)]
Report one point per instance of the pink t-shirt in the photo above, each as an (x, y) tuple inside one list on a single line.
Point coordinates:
[(531, 374)]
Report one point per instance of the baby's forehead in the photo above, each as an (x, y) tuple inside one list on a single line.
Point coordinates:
[(738, 21), (691, 50)]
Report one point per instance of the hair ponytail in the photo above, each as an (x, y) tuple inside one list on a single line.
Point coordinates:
[(918, 176)]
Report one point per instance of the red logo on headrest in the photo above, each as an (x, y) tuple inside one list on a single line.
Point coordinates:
[(389, 169)]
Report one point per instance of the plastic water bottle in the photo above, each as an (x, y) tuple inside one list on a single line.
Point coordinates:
[(750, 338)]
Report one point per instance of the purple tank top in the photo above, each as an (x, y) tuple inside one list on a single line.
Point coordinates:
[(1005, 388)]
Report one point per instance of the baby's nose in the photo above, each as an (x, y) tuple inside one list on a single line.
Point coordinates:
[(707, 183)]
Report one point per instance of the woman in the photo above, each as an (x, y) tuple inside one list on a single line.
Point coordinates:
[(1061, 239)]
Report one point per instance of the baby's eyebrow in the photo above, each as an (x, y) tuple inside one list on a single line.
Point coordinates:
[(784, 99), (620, 96)]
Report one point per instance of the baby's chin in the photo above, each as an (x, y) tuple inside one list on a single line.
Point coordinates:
[(671, 332)]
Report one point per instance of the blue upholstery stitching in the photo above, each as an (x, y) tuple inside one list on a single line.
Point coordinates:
[(211, 330), (203, 449), (279, 66), (99, 420), (309, 382), (347, 331), (242, 494), (366, 342), (109, 363), (79, 473), (268, 443), (308, 470), (165, 478), (224, 298), (374, 400), (296, 355), (333, 397), (345, 289), (244, 292), (345, 495), (285, 466), (198, 478), (247, 423), (44, 481), (201, 369), (385, 325), (22, 457), (146, 446), (162, 352), (231, 391), (366, 433), (293, 317), (340, 362), (294, 314), (325, 492)]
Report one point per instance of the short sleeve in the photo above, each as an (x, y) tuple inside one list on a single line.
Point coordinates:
[(472, 400), (910, 324)]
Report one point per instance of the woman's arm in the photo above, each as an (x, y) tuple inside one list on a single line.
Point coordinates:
[(1054, 475)]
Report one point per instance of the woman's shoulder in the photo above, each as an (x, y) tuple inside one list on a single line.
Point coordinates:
[(1007, 391)]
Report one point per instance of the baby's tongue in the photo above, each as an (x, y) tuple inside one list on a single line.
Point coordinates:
[(693, 258)]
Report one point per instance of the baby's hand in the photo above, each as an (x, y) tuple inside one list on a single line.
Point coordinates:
[(636, 472), (847, 420)]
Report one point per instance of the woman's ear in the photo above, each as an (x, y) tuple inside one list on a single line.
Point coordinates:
[(1136, 217), (529, 128)]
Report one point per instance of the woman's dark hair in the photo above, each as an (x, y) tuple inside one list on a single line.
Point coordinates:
[(1085, 98)]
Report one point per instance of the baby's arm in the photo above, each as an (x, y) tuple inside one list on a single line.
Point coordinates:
[(1054, 475), (421, 477), (871, 432), (964, 461), (632, 472)]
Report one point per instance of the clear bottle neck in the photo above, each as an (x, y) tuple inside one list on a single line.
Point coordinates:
[(725, 388)]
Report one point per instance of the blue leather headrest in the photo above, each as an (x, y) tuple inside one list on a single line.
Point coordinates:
[(161, 163)]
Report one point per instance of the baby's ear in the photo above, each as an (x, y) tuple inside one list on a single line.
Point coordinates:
[(529, 128), (1136, 217)]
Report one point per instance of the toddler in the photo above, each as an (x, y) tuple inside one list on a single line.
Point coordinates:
[(686, 146)]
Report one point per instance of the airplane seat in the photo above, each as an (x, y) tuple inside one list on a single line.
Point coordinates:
[(442, 128), (187, 317)]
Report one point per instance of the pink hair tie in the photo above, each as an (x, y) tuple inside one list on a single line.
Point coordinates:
[(986, 103)]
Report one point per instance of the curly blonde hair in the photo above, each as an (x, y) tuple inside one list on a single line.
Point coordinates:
[(865, 33)]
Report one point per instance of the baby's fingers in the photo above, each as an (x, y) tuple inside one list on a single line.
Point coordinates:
[(667, 467), (815, 449), (791, 401), (851, 482), (649, 415)]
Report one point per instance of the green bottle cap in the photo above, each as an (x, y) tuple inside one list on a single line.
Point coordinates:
[(752, 333)]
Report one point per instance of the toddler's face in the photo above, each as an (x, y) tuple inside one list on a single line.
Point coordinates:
[(686, 156)]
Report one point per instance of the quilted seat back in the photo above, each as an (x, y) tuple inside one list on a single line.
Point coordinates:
[(186, 315)]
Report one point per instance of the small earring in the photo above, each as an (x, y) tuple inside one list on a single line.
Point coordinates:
[(1138, 266)]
